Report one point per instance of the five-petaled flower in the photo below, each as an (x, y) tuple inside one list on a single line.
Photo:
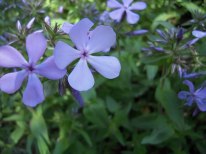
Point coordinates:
[(127, 8), (87, 42), (198, 96), (36, 45)]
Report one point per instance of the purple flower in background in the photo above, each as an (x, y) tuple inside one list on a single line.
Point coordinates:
[(127, 8), (87, 42), (10, 58), (198, 96)]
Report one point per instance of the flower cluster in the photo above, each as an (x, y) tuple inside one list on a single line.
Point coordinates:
[(86, 42)]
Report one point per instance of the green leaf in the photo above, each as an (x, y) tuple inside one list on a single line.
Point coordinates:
[(61, 146), (112, 105), (161, 133), (168, 99), (96, 113), (164, 17), (17, 134), (39, 129), (151, 71), (42, 146), (158, 135), (154, 59), (192, 7)]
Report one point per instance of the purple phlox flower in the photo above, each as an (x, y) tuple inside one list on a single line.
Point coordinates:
[(137, 32), (127, 7), (198, 96), (36, 45), (87, 42)]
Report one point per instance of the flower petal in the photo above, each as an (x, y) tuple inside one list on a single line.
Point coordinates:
[(64, 54), (138, 6), (81, 77), (33, 93), (50, 70), (79, 33), (102, 38), (66, 27), (132, 18), (198, 33), (107, 66), (184, 94), (113, 4), (117, 14), (127, 2), (36, 45), (201, 103), (201, 92), (190, 85), (11, 82), (10, 57)]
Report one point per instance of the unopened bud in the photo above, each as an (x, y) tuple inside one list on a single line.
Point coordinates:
[(30, 23), (18, 26), (47, 20)]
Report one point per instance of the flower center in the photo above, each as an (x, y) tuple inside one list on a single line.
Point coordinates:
[(84, 54), (30, 68)]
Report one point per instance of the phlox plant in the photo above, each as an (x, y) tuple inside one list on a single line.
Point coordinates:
[(102, 77)]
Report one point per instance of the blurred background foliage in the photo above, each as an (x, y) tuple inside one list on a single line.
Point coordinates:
[(137, 113)]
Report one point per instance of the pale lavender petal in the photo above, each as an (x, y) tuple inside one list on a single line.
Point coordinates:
[(102, 38), (138, 6), (127, 2), (10, 57), (66, 27), (50, 70), (11, 82), (107, 66), (81, 77), (190, 85), (36, 45), (184, 94), (132, 18), (79, 33), (198, 33), (113, 4), (33, 93), (64, 54), (117, 14)]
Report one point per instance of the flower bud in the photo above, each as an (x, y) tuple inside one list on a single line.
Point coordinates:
[(18, 26), (30, 23)]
